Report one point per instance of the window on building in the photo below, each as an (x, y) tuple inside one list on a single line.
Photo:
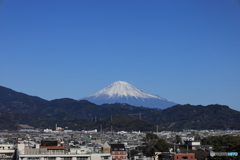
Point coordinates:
[(66, 158), (185, 157), (33, 158), (82, 158), (104, 157)]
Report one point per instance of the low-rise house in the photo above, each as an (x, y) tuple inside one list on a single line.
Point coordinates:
[(174, 156), (106, 148), (195, 145)]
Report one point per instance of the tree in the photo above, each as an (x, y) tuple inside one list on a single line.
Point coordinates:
[(161, 146), (151, 140), (197, 137), (178, 139), (154, 144), (151, 136), (223, 144)]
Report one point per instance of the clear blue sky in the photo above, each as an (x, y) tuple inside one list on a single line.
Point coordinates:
[(185, 51)]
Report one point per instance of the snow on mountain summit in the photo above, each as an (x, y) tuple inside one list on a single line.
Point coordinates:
[(121, 89), (124, 92)]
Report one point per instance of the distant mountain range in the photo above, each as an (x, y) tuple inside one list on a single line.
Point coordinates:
[(19, 108), (123, 92)]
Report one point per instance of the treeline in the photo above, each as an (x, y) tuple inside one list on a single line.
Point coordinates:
[(225, 143)]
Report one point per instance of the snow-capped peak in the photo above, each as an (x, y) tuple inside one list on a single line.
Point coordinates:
[(123, 92), (123, 89)]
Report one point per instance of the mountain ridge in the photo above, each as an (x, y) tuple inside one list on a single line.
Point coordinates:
[(42, 113)]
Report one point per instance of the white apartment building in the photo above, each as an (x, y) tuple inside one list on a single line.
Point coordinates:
[(7, 151), (58, 153)]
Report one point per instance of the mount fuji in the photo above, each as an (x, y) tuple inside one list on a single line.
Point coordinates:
[(123, 92)]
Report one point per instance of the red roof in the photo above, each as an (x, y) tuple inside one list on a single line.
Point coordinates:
[(52, 147)]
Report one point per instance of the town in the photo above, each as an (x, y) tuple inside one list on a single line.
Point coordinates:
[(62, 144)]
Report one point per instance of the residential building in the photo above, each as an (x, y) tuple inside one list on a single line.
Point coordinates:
[(106, 148), (118, 152), (7, 152), (174, 156), (51, 152)]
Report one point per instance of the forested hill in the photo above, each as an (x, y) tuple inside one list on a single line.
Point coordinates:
[(17, 108)]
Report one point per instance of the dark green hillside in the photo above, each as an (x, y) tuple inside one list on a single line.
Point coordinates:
[(85, 110), (7, 94), (69, 112), (10, 121), (11, 100), (200, 117)]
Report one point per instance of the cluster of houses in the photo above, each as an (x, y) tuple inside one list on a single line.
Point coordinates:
[(54, 150), (93, 145)]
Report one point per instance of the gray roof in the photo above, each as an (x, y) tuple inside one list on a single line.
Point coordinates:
[(106, 145)]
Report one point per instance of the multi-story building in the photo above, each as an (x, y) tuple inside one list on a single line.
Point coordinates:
[(118, 152), (48, 151), (7, 152)]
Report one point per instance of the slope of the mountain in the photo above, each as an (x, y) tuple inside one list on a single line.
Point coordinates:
[(11, 100), (188, 116), (37, 112), (123, 92), (7, 94)]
